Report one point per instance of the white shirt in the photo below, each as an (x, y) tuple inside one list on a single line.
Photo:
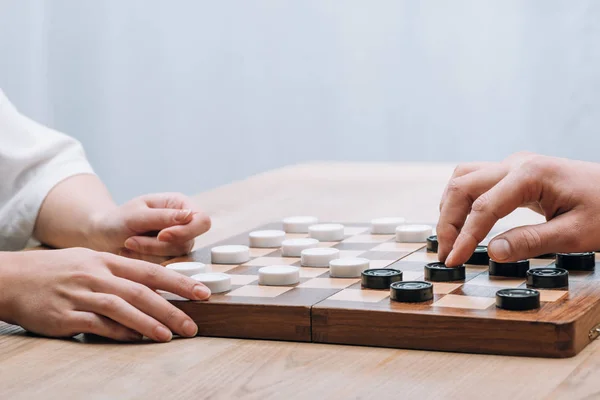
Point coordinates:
[(33, 159)]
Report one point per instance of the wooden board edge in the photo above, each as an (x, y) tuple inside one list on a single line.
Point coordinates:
[(443, 333), (249, 321)]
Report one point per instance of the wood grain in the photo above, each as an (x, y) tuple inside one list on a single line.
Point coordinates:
[(32, 367)]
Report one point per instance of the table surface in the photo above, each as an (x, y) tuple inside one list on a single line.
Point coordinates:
[(230, 368)]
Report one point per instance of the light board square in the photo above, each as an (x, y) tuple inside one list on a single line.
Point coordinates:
[(368, 238), (351, 231), (239, 280), (259, 291), (422, 256), (296, 235), (328, 283), (327, 244), (220, 267), (485, 280), (309, 272), (470, 302), (401, 247), (412, 276), (374, 264), (551, 295), (360, 295), (445, 287), (540, 262), (266, 261), (259, 252)]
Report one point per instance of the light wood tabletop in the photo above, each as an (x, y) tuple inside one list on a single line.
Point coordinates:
[(33, 367)]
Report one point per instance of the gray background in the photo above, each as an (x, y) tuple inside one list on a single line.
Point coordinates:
[(187, 95)]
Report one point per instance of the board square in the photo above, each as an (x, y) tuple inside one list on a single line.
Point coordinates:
[(360, 295), (373, 264), (445, 287), (259, 291), (267, 261), (259, 252), (368, 239), (354, 230), (240, 280), (500, 282), (552, 295), (220, 267), (328, 283), (400, 247), (469, 302), (422, 256), (351, 253), (310, 272)]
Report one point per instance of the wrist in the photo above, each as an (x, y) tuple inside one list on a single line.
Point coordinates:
[(8, 271), (98, 231)]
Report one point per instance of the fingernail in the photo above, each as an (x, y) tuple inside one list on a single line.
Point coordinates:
[(165, 237), (182, 215), (162, 334), (201, 292), (500, 249), (132, 244), (189, 328)]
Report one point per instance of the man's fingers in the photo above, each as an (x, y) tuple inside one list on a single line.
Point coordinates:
[(559, 235), (199, 224), (157, 277), (461, 192), (461, 170), (150, 303), (87, 322), (151, 245), (122, 312), (517, 188), (154, 219), (143, 257)]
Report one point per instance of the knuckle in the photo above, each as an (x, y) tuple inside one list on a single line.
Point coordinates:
[(137, 293), (108, 303), (481, 204), (530, 240), (454, 186), (172, 315), (153, 271)]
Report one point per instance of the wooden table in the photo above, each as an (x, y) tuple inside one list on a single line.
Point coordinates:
[(32, 367)]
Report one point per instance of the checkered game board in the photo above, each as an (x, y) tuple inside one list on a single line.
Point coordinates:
[(461, 317)]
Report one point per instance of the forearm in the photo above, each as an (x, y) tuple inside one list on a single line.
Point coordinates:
[(67, 215)]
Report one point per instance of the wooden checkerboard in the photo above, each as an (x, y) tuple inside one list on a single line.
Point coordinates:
[(461, 317)]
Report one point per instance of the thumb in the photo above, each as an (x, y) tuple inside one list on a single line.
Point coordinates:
[(156, 219), (532, 240)]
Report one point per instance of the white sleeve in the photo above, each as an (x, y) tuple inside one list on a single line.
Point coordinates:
[(33, 159)]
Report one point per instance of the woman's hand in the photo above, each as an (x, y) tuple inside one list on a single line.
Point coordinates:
[(66, 292)]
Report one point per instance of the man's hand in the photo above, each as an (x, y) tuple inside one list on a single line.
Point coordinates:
[(66, 292), (153, 227), (566, 192)]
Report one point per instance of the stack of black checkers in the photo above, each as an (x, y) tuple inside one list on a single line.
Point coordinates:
[(480, 256), (518, 299), (576, 261), (411, 291), (439, 272), (380, 278), (548, 278), (432, 244), (517, 269)]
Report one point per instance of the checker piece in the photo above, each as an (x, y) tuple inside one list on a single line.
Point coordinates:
[(411, 291), (518, 299), (576, 261), (380, 278), (439, 272), (548, 278), (517, 269)]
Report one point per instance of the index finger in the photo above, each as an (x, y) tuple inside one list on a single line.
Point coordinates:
[(157, 277), (511, 192)]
